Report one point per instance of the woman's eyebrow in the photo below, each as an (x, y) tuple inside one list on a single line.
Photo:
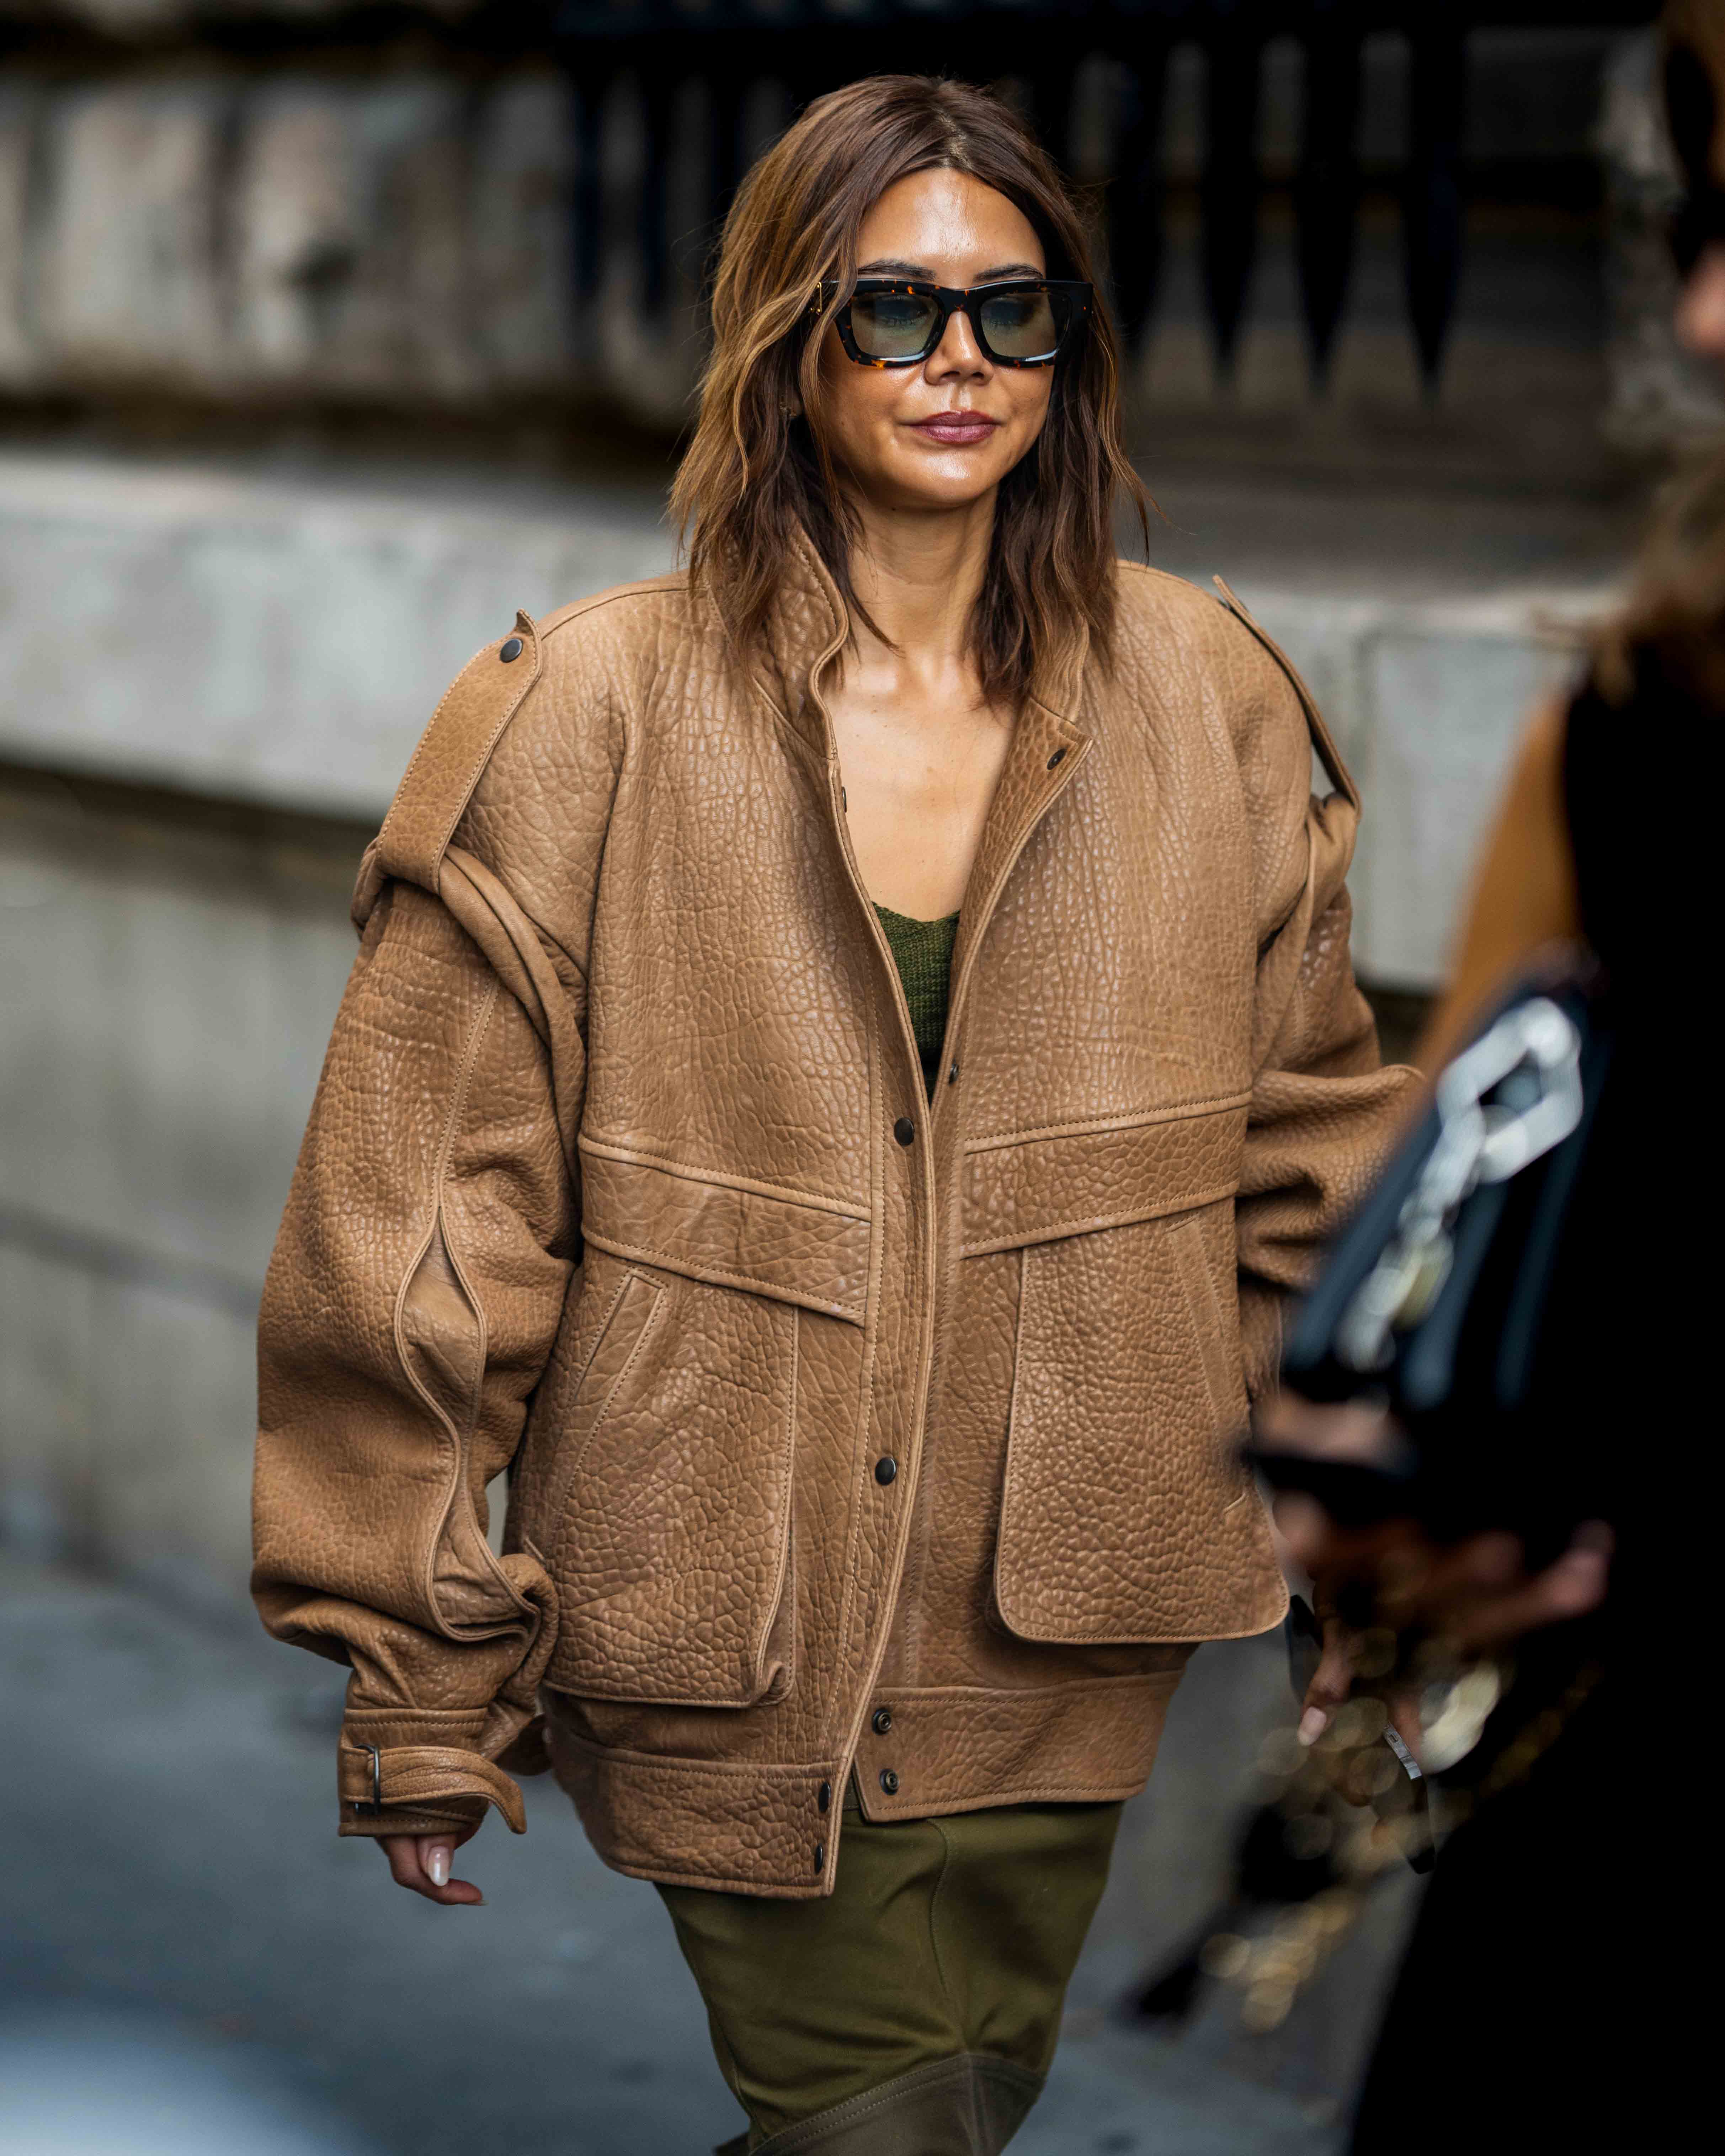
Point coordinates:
[(893, 267)]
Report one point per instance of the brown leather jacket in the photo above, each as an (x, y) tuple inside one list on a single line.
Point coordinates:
[(843, 1427)]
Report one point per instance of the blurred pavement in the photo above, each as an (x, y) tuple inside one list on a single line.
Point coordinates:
[(171, 1855)]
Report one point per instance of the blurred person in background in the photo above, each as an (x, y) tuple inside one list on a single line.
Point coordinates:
[(1541, 2001), (885, 987)]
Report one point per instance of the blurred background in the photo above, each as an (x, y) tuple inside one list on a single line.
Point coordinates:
[(332, 334)]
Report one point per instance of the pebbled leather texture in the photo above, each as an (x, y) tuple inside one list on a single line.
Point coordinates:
[(601, 1186)]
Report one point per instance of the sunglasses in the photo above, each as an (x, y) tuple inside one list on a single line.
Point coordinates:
[(893, 321), (1697, 223)]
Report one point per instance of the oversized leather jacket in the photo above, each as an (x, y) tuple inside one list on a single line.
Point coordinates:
[(845, 1428)]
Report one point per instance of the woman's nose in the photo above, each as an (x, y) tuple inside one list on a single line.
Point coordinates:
[(957, 353)]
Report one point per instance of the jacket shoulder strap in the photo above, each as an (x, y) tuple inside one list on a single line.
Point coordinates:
[(1327, 754), (453, 752)]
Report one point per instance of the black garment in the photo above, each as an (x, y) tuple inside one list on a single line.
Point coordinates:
[(1513, 2023), (1534, 2008)]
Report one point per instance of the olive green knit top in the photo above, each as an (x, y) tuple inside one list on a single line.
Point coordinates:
[(922, 951)]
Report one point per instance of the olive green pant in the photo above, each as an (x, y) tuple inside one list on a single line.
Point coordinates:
[(914, 2011)]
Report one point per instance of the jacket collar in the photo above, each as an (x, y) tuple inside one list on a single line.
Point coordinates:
[(806, 629), (809, 626)]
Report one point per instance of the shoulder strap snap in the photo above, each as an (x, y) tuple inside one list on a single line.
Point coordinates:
[(453, 752), (1327, 754)]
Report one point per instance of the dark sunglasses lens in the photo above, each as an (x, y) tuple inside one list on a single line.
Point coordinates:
[(892, 324), (1023, 325)]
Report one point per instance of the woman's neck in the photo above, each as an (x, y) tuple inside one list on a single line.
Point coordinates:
[(918, 574)]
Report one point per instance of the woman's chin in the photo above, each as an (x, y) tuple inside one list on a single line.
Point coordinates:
[(957, 479)]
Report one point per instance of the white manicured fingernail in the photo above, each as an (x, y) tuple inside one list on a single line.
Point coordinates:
[(1313, 1725), (437, 1867)]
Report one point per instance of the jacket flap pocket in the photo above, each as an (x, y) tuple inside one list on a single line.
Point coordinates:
[(1121, 1516), (670, 1545), (794, 1246), (1037, 1186)]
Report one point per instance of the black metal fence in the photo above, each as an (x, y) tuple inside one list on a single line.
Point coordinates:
[(810, 46)]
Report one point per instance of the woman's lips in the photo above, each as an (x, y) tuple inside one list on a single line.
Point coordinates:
[(956, 429)]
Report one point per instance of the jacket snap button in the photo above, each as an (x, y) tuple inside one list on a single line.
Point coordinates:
[(825, 1797), (820, 1855), (510, 649), (904, 1131), (1056, 757), (953, 1076), (882, 1720), (889, 1781), (884, 1469)]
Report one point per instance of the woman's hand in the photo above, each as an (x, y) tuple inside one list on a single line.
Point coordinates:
[(421, 1863)]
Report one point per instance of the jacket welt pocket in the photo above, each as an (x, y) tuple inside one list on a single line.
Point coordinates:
[(1122, 1518), (667, 1526)]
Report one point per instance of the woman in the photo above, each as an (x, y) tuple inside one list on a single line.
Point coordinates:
[(850, 1047), (1544, 2001)]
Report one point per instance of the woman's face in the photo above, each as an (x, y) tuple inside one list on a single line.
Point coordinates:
[(944, 432)]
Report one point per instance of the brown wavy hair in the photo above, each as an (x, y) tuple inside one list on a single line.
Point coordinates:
[(759, 465), (1671, 625)]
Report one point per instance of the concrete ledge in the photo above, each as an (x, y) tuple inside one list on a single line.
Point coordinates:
[(283, 639), (266, 638), (171, 965), (1428, 703)]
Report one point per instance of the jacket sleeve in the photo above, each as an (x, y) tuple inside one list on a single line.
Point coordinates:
[(415, 1293), (1324, 1111)]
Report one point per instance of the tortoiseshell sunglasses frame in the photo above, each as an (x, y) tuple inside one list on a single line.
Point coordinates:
[(951, 299)]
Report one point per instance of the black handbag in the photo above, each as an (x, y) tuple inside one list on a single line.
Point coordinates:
[(1442, 1303), (1434, 1302)]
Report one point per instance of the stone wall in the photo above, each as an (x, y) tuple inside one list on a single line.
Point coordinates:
[(403, 236), (391, 224), (178, 973)]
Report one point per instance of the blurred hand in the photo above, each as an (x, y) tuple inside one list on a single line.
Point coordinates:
[(1331, 1681), (421, 1863), (1470, 1596)]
